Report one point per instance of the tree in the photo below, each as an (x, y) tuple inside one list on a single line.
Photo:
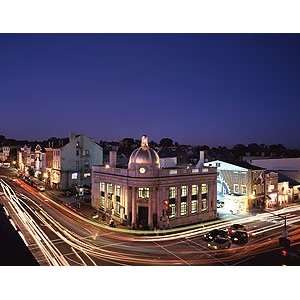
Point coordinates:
[(166, 142), (254, 149), (239, 150)]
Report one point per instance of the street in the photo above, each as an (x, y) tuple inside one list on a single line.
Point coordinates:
[(56, 235)]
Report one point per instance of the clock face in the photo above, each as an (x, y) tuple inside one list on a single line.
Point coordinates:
[(142, 170)]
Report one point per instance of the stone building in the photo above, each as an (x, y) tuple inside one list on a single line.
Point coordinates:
[(144, 195)]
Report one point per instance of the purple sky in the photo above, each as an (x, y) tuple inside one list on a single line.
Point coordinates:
[(198, 89)]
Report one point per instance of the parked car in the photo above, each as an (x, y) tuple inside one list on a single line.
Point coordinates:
[(220, 204), (219, 243), (235, 227), (210, 236), (239, 237)]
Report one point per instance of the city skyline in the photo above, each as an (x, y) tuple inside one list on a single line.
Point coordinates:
[(186, 87)]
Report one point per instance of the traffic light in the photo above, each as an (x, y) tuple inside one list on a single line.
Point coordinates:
[(285, 243), (166, 204)]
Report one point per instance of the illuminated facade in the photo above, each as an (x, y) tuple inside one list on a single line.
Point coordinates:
[(4, 153), (241, 180), (28, 159), (145, 195)]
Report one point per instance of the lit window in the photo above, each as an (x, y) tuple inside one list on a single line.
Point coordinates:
[(172, 210), (244, 189), (183, 191), (102, 186), (204, 204), (102, 194), (118, 190), (204, 188), (236, 188), (194, 206), (102, 199), (194, 189), (143, 192), (109, 188), (183, 208), (194, 192), (172, 192), (74, 175), (118, 199)]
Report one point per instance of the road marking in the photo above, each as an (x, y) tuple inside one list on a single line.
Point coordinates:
[(170, 252), (210, 255), (77, 254)]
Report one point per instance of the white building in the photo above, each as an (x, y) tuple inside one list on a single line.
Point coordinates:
[(73, 162)]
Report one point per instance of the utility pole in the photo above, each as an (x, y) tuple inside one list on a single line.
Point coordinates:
[(284, 241)]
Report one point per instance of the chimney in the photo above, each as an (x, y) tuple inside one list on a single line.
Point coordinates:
[(113, 158), (201, 157), (72, 136)]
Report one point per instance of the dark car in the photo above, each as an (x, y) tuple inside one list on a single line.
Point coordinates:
[(239, 237), (220, 204), (210, 236), (219, 243), (236, 227)]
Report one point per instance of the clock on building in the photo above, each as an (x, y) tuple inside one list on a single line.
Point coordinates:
[(142, 170)]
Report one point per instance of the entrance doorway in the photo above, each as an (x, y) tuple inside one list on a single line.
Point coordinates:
[(142, 217)]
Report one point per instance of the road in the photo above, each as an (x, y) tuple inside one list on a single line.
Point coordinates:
[(58, 236)]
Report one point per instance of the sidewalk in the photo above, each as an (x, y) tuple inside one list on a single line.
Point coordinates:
[(87, 212), (81, 207)]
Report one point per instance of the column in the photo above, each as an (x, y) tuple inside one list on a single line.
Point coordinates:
[(178, 206), (133, 205), (189, 200), (212, 196), (128, 204), (150, 207)]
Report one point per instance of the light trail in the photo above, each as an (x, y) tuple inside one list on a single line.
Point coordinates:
[(119, 253)]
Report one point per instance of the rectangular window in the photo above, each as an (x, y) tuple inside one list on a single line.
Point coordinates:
[(102, 186), (172, 192), (194, 192), (144, 193), (194, 207), (236, 188), (204, 188), (183, 208), (109, 188), (118, 199), (74, 175), (102, 199), (244, 189), (172, 210), (183, 191), (204, 204), (118, 190)]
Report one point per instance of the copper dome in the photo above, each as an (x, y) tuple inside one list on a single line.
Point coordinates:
[(144, 155)]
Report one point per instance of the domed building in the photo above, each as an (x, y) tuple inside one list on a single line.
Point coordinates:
[(146, 196)]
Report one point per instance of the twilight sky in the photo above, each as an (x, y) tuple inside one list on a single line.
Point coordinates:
[(198, 89)]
